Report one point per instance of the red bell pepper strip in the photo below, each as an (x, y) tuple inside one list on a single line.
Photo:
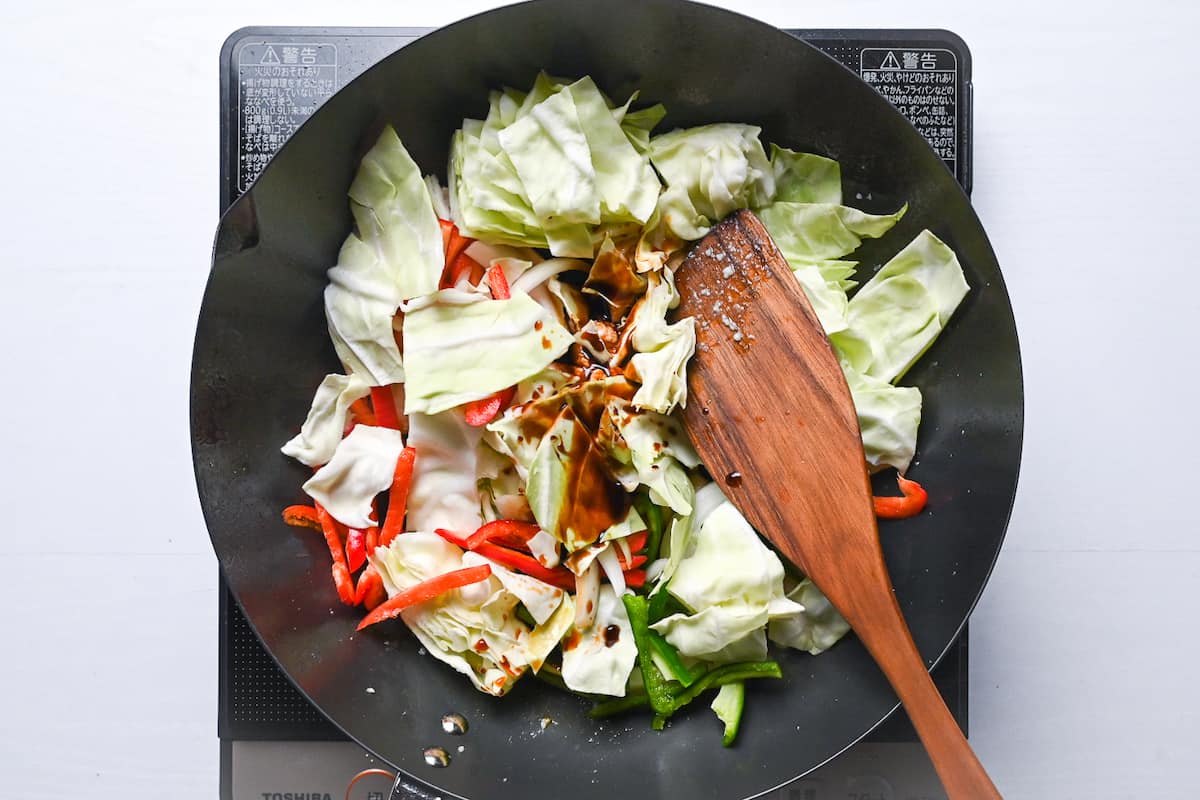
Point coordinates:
[(528, 565), (361, 413), (385, 407), (499, 283), (511, 541), (372, 539), (481, 412), (302, 517), (636, 542), (453, 242), (426, 590), (356, 548), (512, 533), (502, 527), (341, 573), (561, 577), (633, 563), (370, 592), (457, 247), (393, 523), (911, 504), (452, 537), (463, 266)]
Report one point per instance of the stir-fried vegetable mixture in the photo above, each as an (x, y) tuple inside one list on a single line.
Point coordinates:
[(502, 465)]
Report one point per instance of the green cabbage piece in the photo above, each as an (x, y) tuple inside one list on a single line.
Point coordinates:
[(395, 254), (593, 665), (894, 318), (805, 177), (449, 626), (459, 346), (362, 466), (814, 237), (660, 365), (484, 192), (360, 304), (661, 455), (732, 585), (709, 171), (816, 628), (888, 418), (394, 214), (326, 420), (625, 182), (445, 485), (549, 151), (814, 233), (546, 168), (568, 460), (638, 124)]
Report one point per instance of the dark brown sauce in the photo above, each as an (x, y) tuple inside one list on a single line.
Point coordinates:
[(734, 479), (481, 646), (615, 278), (572, 640), (594, 499), (537, 326), (602, 336), (612, 634)]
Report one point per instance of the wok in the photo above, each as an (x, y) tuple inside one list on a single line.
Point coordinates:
[(261, 349)]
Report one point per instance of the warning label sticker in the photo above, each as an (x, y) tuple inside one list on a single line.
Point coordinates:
[(923, 86), (279, 86)]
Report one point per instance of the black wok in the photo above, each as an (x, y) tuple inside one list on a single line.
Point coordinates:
[(261, 348)]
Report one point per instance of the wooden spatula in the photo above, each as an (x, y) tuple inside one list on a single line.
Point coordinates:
[(772, 418)]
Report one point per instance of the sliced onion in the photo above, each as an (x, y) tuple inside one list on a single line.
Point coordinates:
[(587, 597), (612, 568), (537, 275)]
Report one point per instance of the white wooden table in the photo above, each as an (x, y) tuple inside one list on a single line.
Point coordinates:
[(1083, 659)]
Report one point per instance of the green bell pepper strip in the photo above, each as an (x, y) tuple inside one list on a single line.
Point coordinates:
[(730, 673), (663, 604), (670, 656), (610, 708), (721, 676), (659, 693), (551, 675)]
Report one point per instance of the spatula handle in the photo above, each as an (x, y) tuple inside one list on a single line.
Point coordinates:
[(963, 777)]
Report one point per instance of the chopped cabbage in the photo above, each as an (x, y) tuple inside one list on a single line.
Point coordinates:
[(326, 421), (362, 466), (460, 347), (594, 666), (895, 316), (731, 583)]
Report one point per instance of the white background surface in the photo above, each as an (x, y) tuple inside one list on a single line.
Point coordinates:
[(1083, 659)]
